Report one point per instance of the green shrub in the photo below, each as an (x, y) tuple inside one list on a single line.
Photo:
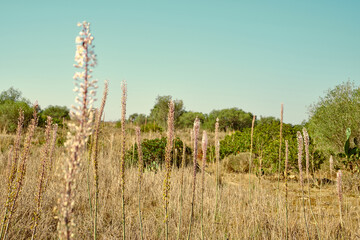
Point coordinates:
[(266, 142), (154, 153)]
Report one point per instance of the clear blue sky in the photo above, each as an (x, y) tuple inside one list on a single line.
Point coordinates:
[(253, 55)]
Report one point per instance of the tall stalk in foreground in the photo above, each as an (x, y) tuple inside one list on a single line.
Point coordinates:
[(80, 130), (169, 143), (250, 158), (217, 156), (286, 188), (95, 153), (45, 153), (204, 149), (301, 180), (196, 134), (122, 154), (140, 169), (181, 187)]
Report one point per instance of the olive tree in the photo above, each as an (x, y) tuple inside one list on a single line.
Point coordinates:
[(329, 118)]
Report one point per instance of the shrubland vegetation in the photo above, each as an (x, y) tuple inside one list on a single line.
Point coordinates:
[(11, 101), (138, 178)]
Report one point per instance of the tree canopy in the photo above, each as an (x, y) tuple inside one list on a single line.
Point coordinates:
[(11, 101), (333, 114), (187, 119), (160, 110), (230, 118)]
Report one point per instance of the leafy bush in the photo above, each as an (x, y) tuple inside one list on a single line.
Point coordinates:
[(154, 152), (266, 142)]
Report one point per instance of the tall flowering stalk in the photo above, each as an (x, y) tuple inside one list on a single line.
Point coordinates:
[(301, 180), (140, 168), (340, 195), (80, 129), (45, 153), (95, 153), (217, 156), (122, 156), (204, 149), (196, 134), (169, 143)]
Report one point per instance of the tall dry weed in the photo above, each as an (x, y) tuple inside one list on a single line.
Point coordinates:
[(168, 149)]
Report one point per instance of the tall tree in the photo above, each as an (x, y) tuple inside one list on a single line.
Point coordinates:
[(332, 114), (161, 108)]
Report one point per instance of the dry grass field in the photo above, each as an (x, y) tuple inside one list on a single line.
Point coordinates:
[(262, 216)]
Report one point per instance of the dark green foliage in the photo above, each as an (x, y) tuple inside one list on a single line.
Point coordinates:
[(266, 141), (229, 119), (187, 119), (57, 113), (352, 160), (154, 152)]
